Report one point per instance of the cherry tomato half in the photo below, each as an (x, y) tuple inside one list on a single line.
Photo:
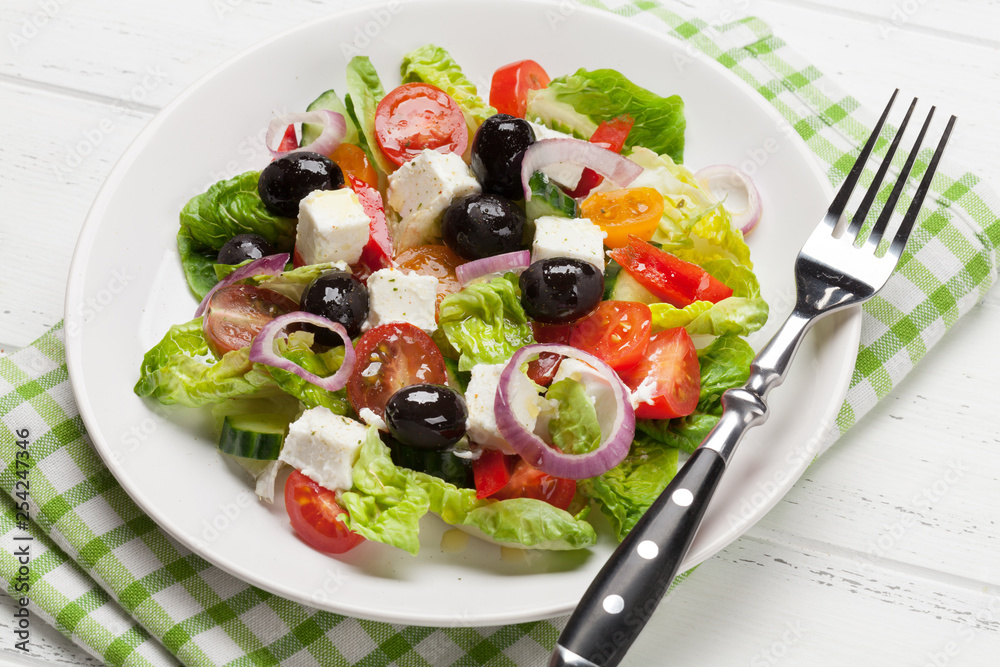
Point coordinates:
[(670, 278), (313, 511), (237, 313), (617, 333), (390, 357), (624, 213), (354, 163), (671, 365), (528, 482), (490, 472), (433, 260), (416, 116), (511, 83)]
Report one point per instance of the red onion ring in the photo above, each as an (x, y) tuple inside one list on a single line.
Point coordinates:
[(610, 165), (334, 129), (511, 261), (262, 350), (723, 179), (270, 265), (536, 451)]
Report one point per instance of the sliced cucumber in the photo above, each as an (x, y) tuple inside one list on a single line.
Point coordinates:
[(547, 198), (258, 436), (331, 102), (445, 465), (627, 288)]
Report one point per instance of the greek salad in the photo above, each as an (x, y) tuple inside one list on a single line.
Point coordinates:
[(505, 312)]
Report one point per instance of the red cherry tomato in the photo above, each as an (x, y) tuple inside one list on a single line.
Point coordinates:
[(236, 314), (528, 482), (617, 333), (671, 365), (390, 357), (491, 472), (511, 83), (669, 278), (416, 116), (612, 135), (313, 511)]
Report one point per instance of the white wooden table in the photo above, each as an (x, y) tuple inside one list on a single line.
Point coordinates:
[(885, 553)]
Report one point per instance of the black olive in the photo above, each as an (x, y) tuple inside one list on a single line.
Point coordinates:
[(286, 181), (482, 226), (243, 247), (340, 297), (497, 152), (426, 416), (560, 290)]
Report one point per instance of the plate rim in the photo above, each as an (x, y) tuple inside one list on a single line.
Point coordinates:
[(846, 323)]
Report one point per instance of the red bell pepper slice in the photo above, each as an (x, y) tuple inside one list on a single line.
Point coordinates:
[(612, 135), (490, 472), (289, 142), (377, 254), (669, 278)]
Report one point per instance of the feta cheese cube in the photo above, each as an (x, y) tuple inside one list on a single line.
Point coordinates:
[(564, 237), (324, 446), (481, 426), (395, 296), (563, 173), (420, 191), (333, 227)]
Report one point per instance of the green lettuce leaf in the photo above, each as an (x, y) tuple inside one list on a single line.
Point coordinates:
[(175, 370), (485, 322), (724, 364), (574, 429), (684, 433), (297, 349), (294, 282), (580, 102), (385, 502), (432, 64), (694, 226), (625, 492), (233, 207), (199, 266), (364, 92)]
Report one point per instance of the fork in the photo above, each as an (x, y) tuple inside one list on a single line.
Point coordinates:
[(832, 272)]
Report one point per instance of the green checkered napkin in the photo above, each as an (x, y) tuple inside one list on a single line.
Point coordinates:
[(107, 577)]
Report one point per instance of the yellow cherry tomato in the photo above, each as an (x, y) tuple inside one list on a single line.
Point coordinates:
[(353, 162), (624, 213)]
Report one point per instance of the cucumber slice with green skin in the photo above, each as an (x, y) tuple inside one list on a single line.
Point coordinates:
[(611, 273), (253, 436), (331, 102), (627, 288), (547, 198), (445, 465)]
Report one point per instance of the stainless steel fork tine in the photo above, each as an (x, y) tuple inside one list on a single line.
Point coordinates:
[(878, 229), (840, 201), (905, 227), (858, 221)]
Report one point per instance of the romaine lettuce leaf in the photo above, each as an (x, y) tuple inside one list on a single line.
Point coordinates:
[(199, 266), (293, 283), (364, 92), (485, 322), (174, 370), (386, 503), (574, 429), (684, 433), (581, 101), (432, 64), (233, 207), (626, 491), (735, 315)]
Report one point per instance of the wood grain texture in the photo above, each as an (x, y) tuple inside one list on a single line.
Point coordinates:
[(883, 554)]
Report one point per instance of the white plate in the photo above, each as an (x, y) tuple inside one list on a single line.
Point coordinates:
[(126, 289)]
